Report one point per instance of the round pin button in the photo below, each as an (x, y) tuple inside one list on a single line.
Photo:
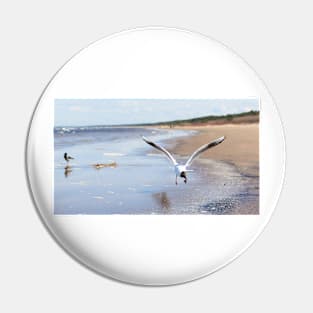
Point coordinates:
[(155, 156)]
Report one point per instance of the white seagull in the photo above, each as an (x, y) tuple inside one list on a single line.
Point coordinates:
[(181, 169)]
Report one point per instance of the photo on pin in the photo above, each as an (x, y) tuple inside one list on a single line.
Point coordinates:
[(156, 156)]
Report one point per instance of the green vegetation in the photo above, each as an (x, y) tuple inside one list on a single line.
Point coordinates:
[(205, 119)]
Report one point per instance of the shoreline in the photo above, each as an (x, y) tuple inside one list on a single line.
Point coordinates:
[(241, 146), (240, 149), (226, 179)]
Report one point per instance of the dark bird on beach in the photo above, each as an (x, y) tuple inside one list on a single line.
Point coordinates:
[(67, 158), (181, 169)]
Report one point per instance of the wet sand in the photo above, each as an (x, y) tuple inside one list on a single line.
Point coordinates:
[(225, 179), (240, 149)]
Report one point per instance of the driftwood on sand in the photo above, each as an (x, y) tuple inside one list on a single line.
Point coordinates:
[(103, 165)]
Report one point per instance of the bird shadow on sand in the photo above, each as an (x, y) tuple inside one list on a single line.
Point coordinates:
[(163, 201)]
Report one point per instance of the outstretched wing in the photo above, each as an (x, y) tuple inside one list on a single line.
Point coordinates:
[(156, 146), (204, 148)]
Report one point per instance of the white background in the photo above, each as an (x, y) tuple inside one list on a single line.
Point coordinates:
[(274, 274)]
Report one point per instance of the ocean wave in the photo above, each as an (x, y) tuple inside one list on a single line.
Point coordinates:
[(72, 129), (113, 154), (98, 197), (155, 155)]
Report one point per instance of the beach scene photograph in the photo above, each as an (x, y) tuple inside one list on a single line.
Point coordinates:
[(156, 156)]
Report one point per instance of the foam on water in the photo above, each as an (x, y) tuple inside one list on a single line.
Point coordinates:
[(113, 154)]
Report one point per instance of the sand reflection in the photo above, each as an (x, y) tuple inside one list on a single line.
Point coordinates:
[(67, 171), (163, 200)]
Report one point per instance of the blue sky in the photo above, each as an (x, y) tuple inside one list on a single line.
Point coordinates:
[(82, 112)]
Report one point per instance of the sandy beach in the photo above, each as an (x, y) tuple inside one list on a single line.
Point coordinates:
[(241, 149), (224, 180), (241, 146), (236, 160)]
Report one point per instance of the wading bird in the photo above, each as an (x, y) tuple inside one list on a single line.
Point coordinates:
[(181, 169), (67, 158)]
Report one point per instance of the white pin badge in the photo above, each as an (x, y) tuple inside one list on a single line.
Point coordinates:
[(155, 156)]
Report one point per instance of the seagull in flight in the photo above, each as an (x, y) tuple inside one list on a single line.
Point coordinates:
[(67, 158), (181, 169)]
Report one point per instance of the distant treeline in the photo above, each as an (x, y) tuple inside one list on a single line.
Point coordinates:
[(206, 119)]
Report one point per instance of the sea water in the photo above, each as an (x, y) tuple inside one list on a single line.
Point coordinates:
[(138, 179)]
